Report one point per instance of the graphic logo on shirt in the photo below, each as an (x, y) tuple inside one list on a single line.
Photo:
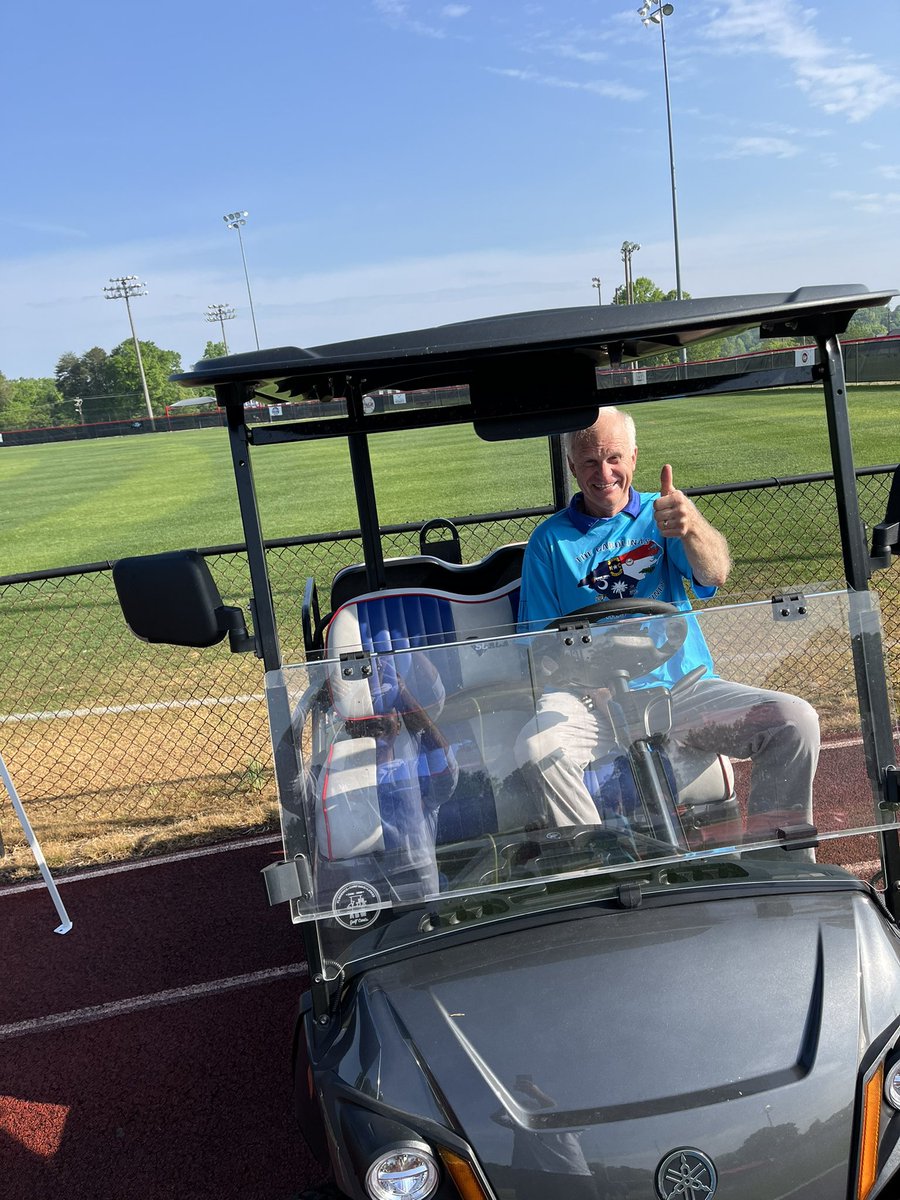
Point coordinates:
[(620, 575)]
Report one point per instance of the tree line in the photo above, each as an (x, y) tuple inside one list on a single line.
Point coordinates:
[(96, 386), (99, 386)]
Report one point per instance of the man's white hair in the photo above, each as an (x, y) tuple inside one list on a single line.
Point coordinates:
[(571, 440)]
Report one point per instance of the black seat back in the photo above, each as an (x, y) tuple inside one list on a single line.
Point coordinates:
[(494, 571)]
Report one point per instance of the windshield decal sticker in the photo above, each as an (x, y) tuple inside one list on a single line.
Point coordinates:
[(356, 905)]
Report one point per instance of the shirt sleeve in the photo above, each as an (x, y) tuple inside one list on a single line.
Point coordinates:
[(538, 602)]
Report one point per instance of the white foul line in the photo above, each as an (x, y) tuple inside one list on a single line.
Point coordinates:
[(121, 1008), (115, 710)]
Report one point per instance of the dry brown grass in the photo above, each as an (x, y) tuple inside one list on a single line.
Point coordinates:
[(69, 844), (105, 788)]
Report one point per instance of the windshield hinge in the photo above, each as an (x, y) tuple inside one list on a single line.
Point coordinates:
[(798, 837), (573, 632), (289, 880), (891, 800), (356, 664), (791, 607), (630, 895)]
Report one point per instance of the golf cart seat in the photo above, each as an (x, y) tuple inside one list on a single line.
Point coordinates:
[(440, 570), (391, 764), (390, 742)]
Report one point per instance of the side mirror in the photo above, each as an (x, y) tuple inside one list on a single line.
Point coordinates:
[(173, 599)]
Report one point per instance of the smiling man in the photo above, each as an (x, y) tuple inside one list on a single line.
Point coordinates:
[(613, 542)]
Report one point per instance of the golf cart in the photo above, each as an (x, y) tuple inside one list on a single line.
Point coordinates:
[(678, 997)]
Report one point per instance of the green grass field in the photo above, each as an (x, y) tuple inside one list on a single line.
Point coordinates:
[(76, 502), (111, 786)]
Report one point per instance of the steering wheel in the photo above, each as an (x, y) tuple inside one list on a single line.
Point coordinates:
[(632, 650)]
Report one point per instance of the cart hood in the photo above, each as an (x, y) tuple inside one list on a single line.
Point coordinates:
[(734, 1026)]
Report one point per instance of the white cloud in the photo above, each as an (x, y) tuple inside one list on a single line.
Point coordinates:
[(454, 11), (575, 44), (46, 227), (878, 203), (396, 13), (833, 80), (888, 172), (761, 147), (570, 49), (615, 91)]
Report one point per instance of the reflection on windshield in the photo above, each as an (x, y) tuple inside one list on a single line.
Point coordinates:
[(481, 764)]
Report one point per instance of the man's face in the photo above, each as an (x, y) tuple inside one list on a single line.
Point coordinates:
[(603, 463)]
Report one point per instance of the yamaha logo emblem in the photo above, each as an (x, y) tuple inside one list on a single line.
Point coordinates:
[(686, 1175)]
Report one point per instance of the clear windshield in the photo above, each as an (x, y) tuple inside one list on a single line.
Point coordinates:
[(463, 780)]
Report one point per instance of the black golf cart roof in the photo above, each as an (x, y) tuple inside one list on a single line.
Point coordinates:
[(527, 374), (603, 335)]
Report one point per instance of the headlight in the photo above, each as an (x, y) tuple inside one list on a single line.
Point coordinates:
[(404, 1171), (892, 1081)]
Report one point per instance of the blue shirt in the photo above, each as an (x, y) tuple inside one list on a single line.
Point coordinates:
[(573, 560)]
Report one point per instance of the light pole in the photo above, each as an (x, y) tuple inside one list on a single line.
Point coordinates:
[(628, 248), (220, 313), (123, 288), (595, 282), (657, 16), (236, 220)]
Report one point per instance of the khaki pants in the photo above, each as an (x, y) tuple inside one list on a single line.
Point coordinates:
[(777, 731)]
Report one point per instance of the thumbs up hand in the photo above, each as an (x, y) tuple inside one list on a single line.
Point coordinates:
[(678, 517), (673, 511)]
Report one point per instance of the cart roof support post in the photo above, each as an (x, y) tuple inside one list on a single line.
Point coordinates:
[(232, 398), (364, 485), (560, 478), (868, 651)]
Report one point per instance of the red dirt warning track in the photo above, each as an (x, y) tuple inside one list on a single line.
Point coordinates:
[(147, 1052)]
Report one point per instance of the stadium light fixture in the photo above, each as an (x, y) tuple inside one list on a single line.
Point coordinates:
[(220, 313), (647, 13), (629, 248), (125, 287), (237, 220), (595, 282)]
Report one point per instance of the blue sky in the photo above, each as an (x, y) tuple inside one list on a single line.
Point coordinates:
[(409, 162)]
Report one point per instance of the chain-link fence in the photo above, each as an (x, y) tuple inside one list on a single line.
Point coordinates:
[(118, 748)]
